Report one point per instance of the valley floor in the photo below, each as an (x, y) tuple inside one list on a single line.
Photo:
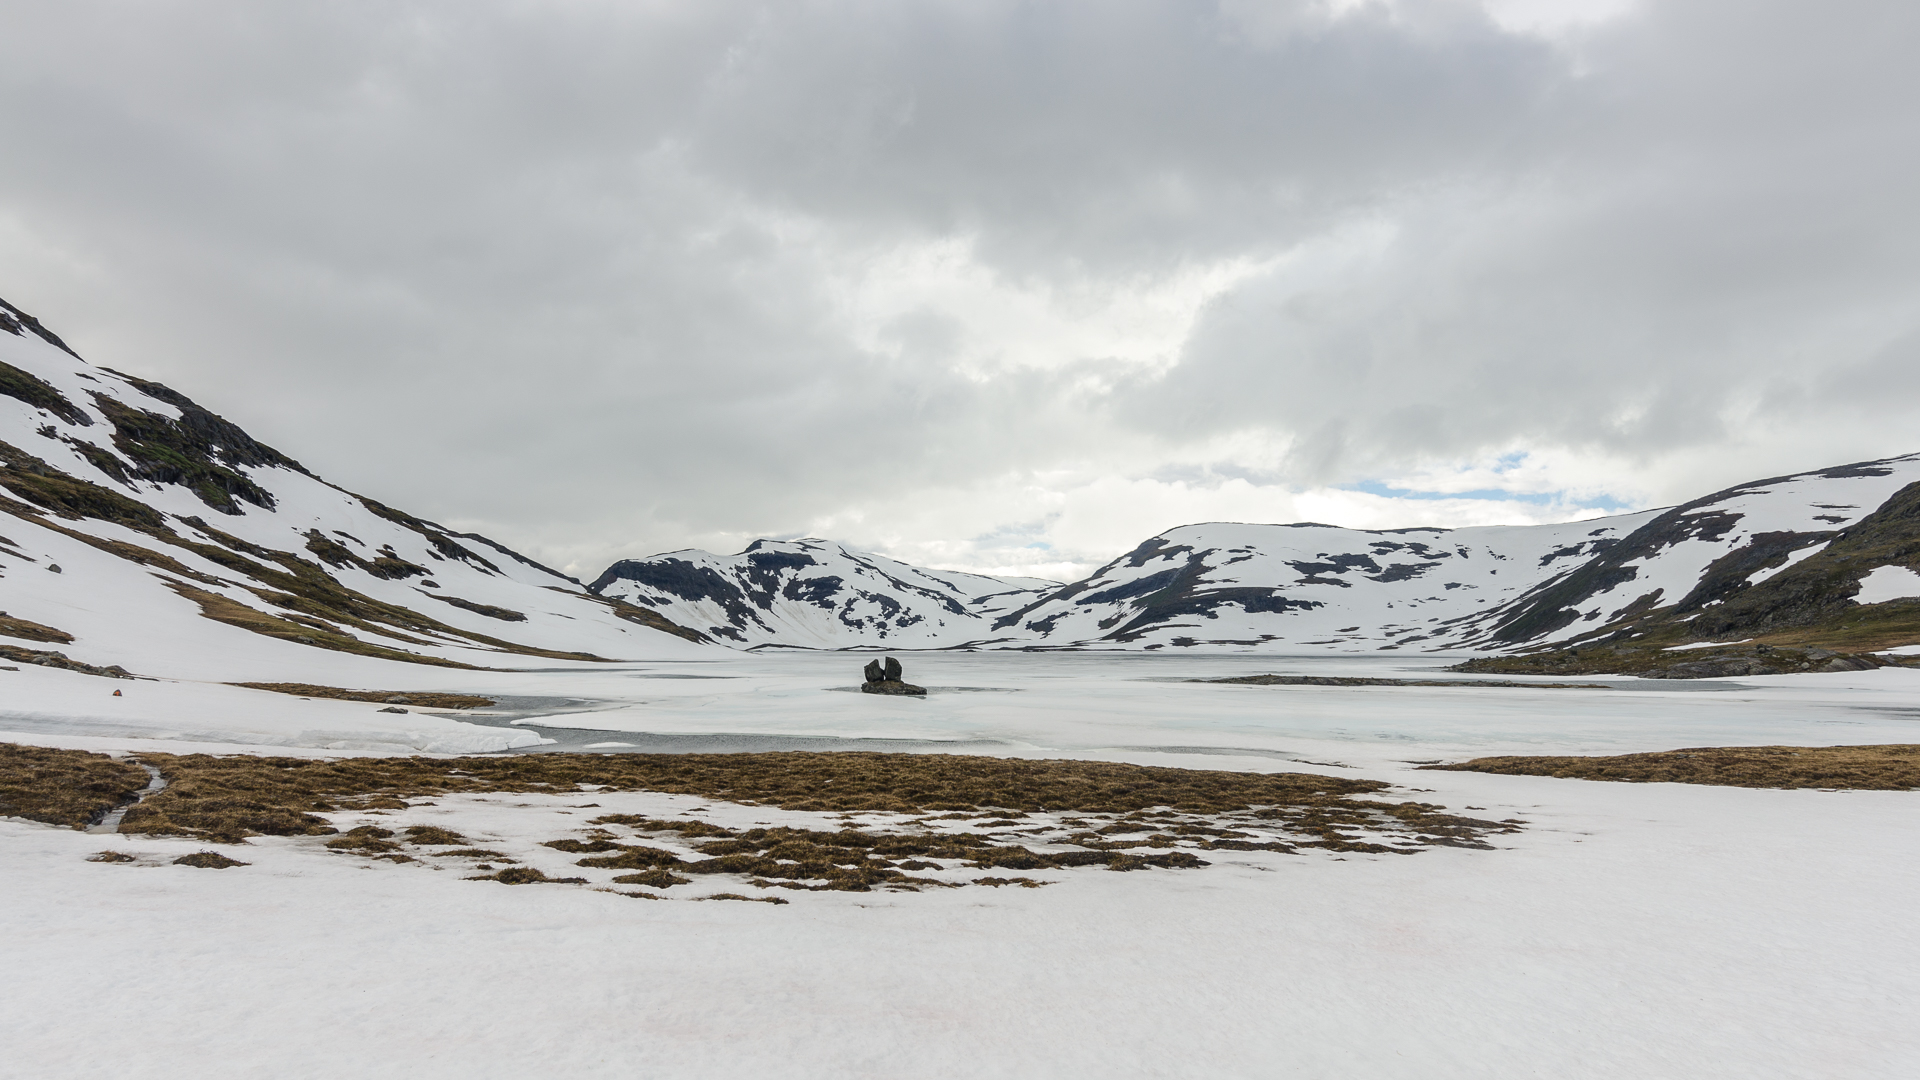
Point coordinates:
[(1645, 930)]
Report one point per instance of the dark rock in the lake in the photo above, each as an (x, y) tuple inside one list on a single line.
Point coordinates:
[(885, 679)]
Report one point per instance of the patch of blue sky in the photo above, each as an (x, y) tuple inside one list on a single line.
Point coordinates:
[(1536, 498), (1023, 534)]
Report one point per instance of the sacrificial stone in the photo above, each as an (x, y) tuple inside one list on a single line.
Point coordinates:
[(885, 679)]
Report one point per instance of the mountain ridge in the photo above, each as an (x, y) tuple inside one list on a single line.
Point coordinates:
[(134, 513), (108, 541)]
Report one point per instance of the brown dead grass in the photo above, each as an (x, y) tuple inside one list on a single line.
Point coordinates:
[(32, 631), (228, 798), (64, 787), (527, 875), (233, 613), (1868, 768), (433, 836), (208, 860), (416, 698)]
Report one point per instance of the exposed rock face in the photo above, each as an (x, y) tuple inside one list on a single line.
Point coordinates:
[(885, 679)]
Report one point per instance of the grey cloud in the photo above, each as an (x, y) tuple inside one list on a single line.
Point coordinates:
[(560, 272)]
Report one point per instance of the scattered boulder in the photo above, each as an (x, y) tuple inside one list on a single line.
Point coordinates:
[(394, 709), (885, 679)]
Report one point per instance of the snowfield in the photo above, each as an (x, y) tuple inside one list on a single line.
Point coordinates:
[(1628, 930)]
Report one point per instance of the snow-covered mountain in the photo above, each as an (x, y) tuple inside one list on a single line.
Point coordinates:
[(817, 594), (1486, 589), (139, 530), (1307, 586), (1310, 587)]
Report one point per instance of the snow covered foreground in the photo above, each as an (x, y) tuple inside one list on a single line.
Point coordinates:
[(1629, 930)]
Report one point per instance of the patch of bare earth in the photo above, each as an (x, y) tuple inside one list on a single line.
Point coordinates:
[(939, 817), (1867, 768), (64, 787)]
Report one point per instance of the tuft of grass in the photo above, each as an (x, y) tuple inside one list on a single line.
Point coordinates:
[(527, 875), (737, 896), (64, 787), (1892, 767), (367, 839), (433, 836), (110, 857), (631, 857), (658, 879), (1023, 882), (582, 847), (208, 860)]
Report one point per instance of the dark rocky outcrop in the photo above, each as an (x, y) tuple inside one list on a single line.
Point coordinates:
[(885, 679)]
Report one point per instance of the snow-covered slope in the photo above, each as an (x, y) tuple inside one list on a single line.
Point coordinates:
[(817, 594), (1316, 587), (1306, 586), (1310, 587), (138, 529), (1768, 555)]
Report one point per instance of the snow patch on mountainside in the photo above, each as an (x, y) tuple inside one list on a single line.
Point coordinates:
[(1888, 583)]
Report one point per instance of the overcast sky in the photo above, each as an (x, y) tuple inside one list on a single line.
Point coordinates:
[(996, 286)]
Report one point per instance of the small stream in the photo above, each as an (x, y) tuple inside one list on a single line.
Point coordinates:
[(155, 785)]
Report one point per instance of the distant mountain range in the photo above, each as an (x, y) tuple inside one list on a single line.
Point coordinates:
[(143, 530), (1785, 553)]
